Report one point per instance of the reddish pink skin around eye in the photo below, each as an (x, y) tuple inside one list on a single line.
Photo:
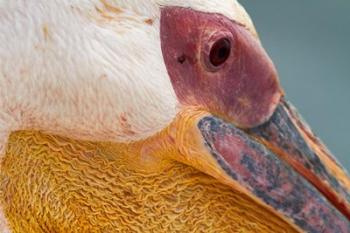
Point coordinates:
[(245, 89)]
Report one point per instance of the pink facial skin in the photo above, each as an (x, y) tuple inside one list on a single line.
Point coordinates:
[(217, 64)]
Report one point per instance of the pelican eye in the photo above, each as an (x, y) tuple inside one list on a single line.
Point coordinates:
[(220, 52)]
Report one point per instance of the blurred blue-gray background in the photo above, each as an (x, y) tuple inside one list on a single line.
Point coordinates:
[(309, 42)]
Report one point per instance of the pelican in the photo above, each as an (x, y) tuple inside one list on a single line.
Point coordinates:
[(153, 116)]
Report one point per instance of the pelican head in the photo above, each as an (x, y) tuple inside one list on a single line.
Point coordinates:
[(168, 80)]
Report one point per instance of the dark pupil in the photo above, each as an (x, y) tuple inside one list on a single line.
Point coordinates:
[(220, 52)]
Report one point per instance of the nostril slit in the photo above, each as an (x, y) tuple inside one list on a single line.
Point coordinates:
[(181, 59)]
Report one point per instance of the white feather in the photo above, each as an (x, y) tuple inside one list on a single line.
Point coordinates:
[(66, 69)]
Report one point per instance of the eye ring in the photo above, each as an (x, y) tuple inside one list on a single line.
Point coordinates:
[(220, 51)]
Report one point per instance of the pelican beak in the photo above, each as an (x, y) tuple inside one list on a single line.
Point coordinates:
[(289, 137), (280, 164), (247, 135)]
